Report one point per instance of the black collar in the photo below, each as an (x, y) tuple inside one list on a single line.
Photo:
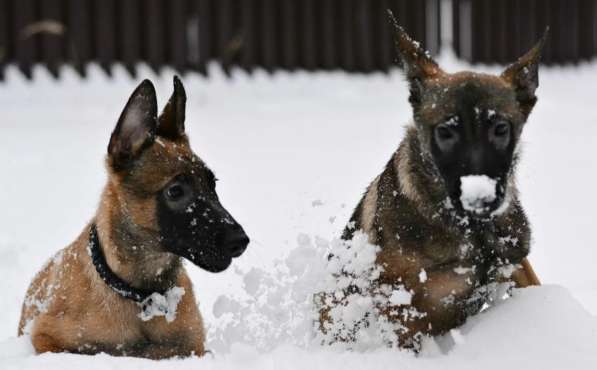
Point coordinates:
[(108, 276)]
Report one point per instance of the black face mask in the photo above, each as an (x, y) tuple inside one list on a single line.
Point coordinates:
[(478, 145), (197, 227)]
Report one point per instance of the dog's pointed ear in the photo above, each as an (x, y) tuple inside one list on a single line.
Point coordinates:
[(416, 62), (136, 126), (171, 121), (523, 75)]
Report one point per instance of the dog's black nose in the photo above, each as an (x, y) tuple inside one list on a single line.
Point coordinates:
[(236, 241)]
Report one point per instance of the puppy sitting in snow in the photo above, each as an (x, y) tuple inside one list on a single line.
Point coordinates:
[(445, 211), (120, 288)]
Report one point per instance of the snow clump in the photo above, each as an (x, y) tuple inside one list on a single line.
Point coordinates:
[(323, 292), (476, 192), (162, 305)]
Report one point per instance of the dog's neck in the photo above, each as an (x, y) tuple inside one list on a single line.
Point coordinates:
[(133, 252), (418, 179)]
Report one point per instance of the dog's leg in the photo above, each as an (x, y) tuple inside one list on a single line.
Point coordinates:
[(45, 343), (48, 335), (443, 299), (525, 276)]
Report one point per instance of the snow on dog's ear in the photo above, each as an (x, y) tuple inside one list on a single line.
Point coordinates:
[(523, 76), (136, 126), (416, 62), (171, 121)]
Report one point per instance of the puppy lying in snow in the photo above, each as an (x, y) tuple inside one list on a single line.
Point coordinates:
[(120, 287)]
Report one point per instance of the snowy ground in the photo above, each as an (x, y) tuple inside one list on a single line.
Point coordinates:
[(294, 154)]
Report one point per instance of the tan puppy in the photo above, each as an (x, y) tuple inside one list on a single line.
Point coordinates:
[(120, 288)]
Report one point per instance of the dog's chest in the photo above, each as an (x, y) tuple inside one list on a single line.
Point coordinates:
[(116, 327)]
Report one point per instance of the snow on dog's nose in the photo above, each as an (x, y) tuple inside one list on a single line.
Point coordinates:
[(478, 193)]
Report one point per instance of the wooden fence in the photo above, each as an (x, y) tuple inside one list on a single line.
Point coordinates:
[(491, 31), (352, 35)]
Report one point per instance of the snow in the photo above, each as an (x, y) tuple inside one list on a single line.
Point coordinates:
[(559, 335), (476, 192), (161, 305), (423, 276), (400, 297), (294, 153)]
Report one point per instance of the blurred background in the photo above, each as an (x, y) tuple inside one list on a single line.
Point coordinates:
[(351, 35)]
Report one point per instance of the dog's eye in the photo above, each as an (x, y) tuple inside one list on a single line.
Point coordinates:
[(175, 192), (501, 129), (499, 134), (444, 133), (446, 136)]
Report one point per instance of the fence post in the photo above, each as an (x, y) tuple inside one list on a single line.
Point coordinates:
[(25, 42), (155, 39), (105, 34), (5, 35), (130, 37)]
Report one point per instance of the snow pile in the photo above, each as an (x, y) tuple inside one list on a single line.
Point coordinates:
[(356, 311), (539, 328), (477, 191), (277, 304), (322, 293)]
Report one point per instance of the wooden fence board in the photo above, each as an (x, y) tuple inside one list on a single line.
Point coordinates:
[(130, 40), (26, 47), (154, 31), (5, 35), (363, 35), (268, 34), (51, 33), (384, 37), (177, 40), (204, 29), (346, 38), (586, 29), (104, 21), (79, 35), (307, 35), (250, 36), (290, 34)]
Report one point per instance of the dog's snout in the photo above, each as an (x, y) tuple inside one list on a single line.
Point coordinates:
[(235, 241)]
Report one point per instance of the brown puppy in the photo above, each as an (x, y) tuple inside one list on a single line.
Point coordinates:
[(120, 288), (445, 210)]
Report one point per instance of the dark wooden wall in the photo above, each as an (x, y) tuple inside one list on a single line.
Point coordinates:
[(490, 31), (352, 35)]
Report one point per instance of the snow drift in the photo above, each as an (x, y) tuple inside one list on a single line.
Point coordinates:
[(539, 328)]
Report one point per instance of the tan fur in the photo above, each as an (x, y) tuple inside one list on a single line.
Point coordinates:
[(69, 308), (525, 276), (369, 209), (407, 186)]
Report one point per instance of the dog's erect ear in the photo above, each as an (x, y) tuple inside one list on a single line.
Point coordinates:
[(136, 126), (416, 62), (523, 75), (171, 121)]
